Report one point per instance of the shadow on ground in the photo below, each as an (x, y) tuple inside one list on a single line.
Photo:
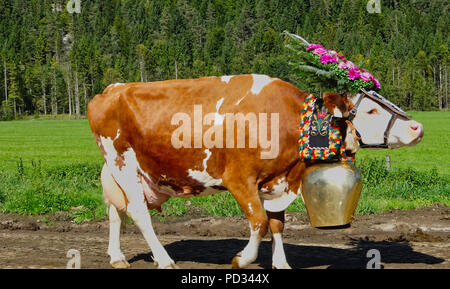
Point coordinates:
[(298, 256)]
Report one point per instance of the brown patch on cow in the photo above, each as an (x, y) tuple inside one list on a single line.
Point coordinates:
[(100, 145), (348, 102), (119, 161), (276, 222), (294, 175), (333, 100)]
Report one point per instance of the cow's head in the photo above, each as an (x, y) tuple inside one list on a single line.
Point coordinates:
[(377, 122)]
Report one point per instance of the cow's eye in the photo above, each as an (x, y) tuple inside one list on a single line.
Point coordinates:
[(373, 111)]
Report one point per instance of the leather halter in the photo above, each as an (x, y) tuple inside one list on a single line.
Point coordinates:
[(395, 113)]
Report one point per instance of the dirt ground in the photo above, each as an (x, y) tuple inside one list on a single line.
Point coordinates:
[(405, 239)]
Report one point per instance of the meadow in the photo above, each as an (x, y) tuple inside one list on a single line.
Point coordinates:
[(50, 165)]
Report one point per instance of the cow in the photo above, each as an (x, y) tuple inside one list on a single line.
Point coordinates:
[(157, 142)]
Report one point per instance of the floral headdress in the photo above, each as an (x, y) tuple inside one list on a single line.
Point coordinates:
[(328, 68)]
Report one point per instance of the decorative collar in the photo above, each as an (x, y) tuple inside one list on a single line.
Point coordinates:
[(320, 136)]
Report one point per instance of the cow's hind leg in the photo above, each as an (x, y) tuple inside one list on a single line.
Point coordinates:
[(114, 199), (139, 213), (276, 223), (133, 202), (116, 218), (250, 203)]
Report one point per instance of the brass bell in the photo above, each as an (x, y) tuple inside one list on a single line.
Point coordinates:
[(331, 192)]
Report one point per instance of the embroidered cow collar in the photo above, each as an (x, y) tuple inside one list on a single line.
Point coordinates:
[(320, 136)]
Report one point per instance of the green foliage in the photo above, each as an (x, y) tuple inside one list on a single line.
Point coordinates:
[(39, 190), (52, 60), (400, 188), (51, 165)]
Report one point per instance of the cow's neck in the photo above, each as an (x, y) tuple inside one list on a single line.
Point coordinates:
[(351, 144)]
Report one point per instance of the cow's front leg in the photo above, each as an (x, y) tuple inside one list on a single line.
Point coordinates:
[(276, 223), (250, 204)]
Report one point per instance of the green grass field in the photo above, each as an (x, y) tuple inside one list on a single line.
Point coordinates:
[(54, 165)]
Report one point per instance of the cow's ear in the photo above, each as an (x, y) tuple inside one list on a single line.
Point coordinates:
[(336, 104)]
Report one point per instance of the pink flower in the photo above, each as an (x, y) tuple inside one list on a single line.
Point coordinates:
[(350, 64), (332, 52), (342, 65), (366, 76), (341, 57), (377, 83), (313, 47), (320, 51), (353, 74), (326, 58)]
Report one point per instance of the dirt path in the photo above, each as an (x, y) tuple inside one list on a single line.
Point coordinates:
[(405, 239)]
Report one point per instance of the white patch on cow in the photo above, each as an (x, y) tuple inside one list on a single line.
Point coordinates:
[(281, 186), (218, 118), (259, 82), (337, 112), (250, 209), (226, 78), (128, 179), (127, 175), (117, 135), (241, 99), (278, 256), (250, 252), (202, 176), (280, 203), (114, 251), (371, 126), (115, 84), (279, 198), (205, 160)]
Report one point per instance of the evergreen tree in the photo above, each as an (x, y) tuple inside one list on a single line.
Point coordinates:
[(52, 61)]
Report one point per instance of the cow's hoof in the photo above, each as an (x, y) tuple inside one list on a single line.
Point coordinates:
[(120, 264), (236, 263), (172, 265), (281, 266)]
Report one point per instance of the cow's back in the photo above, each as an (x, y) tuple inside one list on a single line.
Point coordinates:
[(139, 116)]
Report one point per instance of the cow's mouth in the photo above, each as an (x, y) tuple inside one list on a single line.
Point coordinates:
[(419, 137), (416, 140)]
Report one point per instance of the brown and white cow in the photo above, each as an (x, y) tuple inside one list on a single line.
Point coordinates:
[(181, 138)]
